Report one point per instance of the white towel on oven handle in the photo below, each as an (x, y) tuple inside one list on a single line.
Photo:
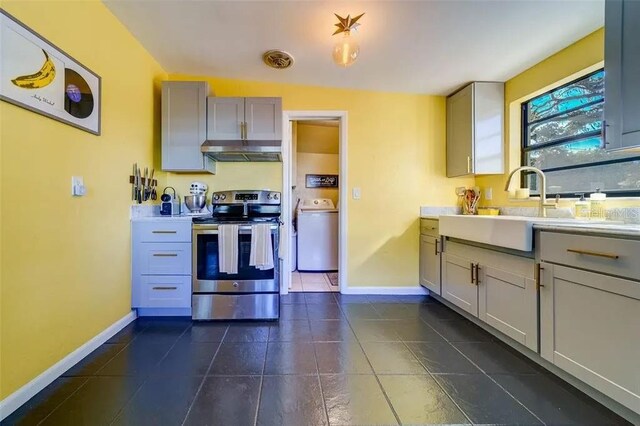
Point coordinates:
[(228, 249), (261, 255)]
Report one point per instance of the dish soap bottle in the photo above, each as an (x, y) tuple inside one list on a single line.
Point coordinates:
[(597, 202), (582, 208)]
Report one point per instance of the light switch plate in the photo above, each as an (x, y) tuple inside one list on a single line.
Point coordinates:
[(488, 194), (355, 192), (77, 186)]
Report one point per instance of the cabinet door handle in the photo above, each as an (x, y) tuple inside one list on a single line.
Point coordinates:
[(473, 279), (436, 248), (165, 254), (164, 232), (165, 288), (604, 134), (594, 253), (538, 276), (468, 164), (477, 273)]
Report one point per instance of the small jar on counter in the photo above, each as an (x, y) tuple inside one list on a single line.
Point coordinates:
[(597, 202)]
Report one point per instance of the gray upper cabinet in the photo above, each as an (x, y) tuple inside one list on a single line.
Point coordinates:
[(622, 74), (184, 126), (475, 122), (250, 119)]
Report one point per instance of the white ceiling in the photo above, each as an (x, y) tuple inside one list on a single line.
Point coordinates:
[(429, 47)]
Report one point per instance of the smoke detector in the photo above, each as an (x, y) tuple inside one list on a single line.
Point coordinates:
[(278, 59)]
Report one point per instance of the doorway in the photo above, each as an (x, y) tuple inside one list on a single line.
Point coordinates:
[(314, 201)]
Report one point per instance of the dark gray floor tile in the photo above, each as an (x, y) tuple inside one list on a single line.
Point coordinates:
[(414, 299), (248, 332), (345, 299), (383, 298), (97, 402), (226, 400), (483, 401), (375, 330), (331, 331), (137, 359), (495, 357), (392, 358), (187, 358), (461, 331), (160, 401), (420, 400), (341, 358), (128, 333), (291, 400), (290, 358), (44, 402), (293, 312), (206, 332), (290, 331), (356, 400), (436, 311), (239, 359), (396, 311), (324, 311), (556, 402), (442, 358), (415, 330), (320, 298), (354, 311), (292, 299), (163, 330), (95, 360)]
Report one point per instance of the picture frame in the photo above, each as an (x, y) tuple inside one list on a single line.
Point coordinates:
[(321, 181), (37, 75)]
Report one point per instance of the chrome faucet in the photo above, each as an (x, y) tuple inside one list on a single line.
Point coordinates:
[(543, 204)]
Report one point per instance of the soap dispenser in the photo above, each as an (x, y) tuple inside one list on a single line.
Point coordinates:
[(597, 202), (581, 208)]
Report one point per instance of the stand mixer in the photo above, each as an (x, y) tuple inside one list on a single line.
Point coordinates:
[(197, 201)]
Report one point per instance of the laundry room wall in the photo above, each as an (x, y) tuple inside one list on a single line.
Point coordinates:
[(317, 153)]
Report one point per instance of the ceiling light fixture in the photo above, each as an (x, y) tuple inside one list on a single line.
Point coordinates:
[(346, 50)]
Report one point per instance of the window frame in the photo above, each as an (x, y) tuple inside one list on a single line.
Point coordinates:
[(525, 148)]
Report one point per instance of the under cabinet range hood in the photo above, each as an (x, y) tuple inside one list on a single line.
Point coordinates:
[(242, 151)]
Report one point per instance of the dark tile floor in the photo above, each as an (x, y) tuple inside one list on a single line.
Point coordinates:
[(331, 359)]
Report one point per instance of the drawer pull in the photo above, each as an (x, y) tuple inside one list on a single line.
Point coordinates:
[(164, 232), (538, 276), (165, 254), (473, 279), (436, 248), (594, 253), (165, 288)]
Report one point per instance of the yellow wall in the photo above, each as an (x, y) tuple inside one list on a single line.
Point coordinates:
[(66, 261), (319, 139), (396, 155), (568, 64)]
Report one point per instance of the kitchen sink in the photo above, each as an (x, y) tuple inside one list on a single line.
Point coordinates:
[(514, 232)]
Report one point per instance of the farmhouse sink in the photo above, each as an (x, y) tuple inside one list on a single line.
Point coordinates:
[(514, 232)]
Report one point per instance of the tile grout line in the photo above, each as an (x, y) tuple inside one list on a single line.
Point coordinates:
[(264, 366), (483, 372), (206, 374), (89, 377), (315, 355)]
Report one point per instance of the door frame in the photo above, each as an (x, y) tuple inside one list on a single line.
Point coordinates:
[(287, 117)]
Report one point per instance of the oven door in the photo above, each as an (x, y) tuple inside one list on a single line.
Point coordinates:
[(207, 277)]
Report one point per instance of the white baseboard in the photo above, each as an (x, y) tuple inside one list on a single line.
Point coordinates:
[(26, 392), (400, 291)]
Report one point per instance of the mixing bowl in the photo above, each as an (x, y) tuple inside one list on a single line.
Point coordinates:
[(195, 203)]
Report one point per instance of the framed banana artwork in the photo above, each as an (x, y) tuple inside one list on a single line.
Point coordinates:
[(37, 75)]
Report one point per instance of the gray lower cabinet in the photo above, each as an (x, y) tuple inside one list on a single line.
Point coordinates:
[(622, 74), (430, 263), (508, 302), (184, 126), (251, 119), (590, 327), (458, 282)]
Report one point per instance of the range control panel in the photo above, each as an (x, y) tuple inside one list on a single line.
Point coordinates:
[(246, 197)]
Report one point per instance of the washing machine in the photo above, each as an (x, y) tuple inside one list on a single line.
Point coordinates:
[(317, 235)]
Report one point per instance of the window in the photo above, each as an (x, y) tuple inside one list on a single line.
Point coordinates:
[(562, 136)]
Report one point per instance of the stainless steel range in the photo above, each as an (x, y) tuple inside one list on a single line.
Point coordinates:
[(251, 292)]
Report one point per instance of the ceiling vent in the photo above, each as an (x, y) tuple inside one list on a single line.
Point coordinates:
[(278, 59)]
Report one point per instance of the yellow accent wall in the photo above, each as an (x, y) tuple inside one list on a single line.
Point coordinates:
[(396, 155), (65, 265), (585, 55)]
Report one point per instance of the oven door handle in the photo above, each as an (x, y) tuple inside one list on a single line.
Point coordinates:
[(241, 230)]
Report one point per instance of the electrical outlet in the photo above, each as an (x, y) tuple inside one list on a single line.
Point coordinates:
[(488, 194), (355, 192), (77, 186)]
